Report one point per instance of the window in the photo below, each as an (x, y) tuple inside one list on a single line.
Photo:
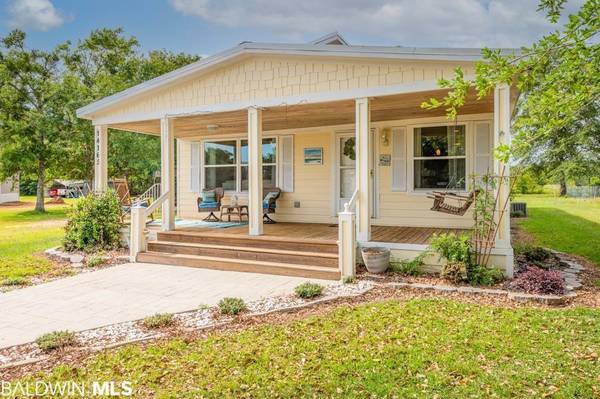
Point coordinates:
[(440, 157), (269, 159), (226, 164)]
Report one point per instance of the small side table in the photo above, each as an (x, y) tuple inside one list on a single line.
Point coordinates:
[(237, 210)]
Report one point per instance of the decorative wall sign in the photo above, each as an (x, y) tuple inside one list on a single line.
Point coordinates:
[(385, 159), (313, 156)]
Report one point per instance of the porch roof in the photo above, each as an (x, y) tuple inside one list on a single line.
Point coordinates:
[(306, 115)]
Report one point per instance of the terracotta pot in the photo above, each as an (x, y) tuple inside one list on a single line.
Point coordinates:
[(377, 259)]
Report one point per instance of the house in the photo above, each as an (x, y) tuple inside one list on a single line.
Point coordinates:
[(337, 127), (9, 190)]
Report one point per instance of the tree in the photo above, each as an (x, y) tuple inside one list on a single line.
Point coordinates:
[(102, 64), (33, 128), (558, 77)]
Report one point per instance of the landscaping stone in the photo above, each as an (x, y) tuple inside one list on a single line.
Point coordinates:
[(78, 264), (553, 300), (77, 258)]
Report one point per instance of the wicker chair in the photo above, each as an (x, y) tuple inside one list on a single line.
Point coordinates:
[(211, 207), (270, 204)]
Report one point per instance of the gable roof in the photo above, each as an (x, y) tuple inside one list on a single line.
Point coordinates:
[(331, 45)]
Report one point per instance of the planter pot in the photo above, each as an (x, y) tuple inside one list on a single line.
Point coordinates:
[(377, 259)]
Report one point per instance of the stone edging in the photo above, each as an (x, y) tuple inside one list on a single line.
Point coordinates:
[(553, 300), (94, 349)]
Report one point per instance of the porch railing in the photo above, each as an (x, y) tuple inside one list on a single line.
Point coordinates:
[(139, 216), (347, 239), (151, 195)]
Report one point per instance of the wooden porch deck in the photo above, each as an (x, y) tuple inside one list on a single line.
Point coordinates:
[(311, 232)]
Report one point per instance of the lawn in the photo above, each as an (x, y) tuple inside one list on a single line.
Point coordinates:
[(565, 224), (420, 348), (24, 234)]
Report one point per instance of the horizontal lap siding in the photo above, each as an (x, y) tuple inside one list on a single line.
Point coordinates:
[(262, 77)]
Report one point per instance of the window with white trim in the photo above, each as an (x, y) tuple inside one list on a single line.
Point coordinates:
[(225, 164), (440, 160)]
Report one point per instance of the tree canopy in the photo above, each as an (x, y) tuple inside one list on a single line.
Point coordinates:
[(555, 128), (40, 90)]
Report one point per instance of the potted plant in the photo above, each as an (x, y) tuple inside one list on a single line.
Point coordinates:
[(377, 259)]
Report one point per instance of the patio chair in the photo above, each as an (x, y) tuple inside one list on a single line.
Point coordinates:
[(463, 202), (270, 196), (210, 201)]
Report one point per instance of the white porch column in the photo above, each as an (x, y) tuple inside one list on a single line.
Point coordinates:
[(100, 158), (363, 203), (502, 113), (167, 172), (255, 178)]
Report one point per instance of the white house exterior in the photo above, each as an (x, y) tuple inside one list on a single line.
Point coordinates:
[(313, 106)]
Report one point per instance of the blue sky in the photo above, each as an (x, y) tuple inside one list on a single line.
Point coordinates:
[(208, 26)]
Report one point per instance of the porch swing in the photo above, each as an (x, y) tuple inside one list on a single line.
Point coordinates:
[(449, 202)]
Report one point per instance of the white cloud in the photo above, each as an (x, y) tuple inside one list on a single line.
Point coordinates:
[(34, 14), (467, 23)]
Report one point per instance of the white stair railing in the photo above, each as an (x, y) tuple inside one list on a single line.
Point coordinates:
[(139, 215), (347, 239), (151, 195)]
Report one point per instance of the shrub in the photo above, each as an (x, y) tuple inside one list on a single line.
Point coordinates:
[(538, 256), (308, 290), (56, 340), (158, 320), (484, 275), (95, 261), (455, 272), (232, 306), (539, 281), (408, 267), (13, 281), (451, 247), (94, 223)]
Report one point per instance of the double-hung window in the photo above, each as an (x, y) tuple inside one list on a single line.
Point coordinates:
[(226, 164), (440, 160)]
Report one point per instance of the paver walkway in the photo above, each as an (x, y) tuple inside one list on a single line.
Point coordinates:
[(125, 292)]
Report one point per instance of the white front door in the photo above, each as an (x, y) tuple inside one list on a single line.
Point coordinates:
[(346, 169)]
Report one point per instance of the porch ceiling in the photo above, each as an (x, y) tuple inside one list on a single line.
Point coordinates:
[(393, 107)]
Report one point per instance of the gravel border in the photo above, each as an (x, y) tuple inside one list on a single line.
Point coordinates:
[(116, 335)]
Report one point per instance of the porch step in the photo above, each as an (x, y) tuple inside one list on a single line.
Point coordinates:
[(240, 265), (239, 240), (248, 253)]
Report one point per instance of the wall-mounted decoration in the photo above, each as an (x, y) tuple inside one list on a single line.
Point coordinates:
[(313, 156), (385, 159)]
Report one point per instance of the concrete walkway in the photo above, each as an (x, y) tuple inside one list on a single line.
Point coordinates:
[(123, 293)]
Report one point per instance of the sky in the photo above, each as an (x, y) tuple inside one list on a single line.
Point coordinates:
[(205, 27)]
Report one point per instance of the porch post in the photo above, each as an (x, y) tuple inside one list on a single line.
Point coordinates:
[(167, 172), (255, 178), (100, 158), (502, 135), (363, 206)]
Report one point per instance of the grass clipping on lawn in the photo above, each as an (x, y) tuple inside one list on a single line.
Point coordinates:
[(417, 348)]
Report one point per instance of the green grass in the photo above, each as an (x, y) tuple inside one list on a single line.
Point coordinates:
[(25, 233), (566, 224), (420, 348)]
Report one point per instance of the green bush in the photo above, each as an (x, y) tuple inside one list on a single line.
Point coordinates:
[(96, 260), (484, 275), (13, 281), (232, 306), (94, 223), (451, 247), (56, 340), (308, 290), (528, 183), (408, 267), (158, 320), (455, 272)]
